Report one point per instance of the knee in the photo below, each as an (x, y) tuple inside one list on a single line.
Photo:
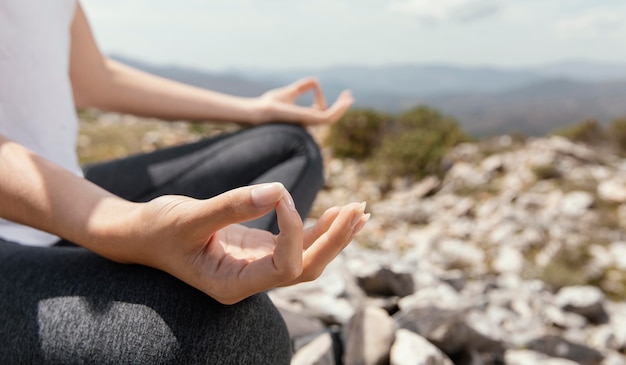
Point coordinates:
[(294, 133), (302, 144), (249, 332)]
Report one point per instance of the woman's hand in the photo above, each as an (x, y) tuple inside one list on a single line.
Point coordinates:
[(201, 242), (279, 104)]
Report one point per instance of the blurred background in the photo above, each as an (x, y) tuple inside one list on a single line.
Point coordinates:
[(497, 66), (488, 138)]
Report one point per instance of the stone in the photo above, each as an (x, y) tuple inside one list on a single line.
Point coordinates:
[(302, 327), (508, 260), (557, 346), (410, 348), (614, 358), (617, 251), (588, 301), (368, 337), (445, 328), (613, 190), (317, 352), (576, 203), (529, 357), (385, 282)]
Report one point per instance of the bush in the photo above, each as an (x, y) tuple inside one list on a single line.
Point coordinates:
[(357, 134), (589, 132), (415, 148), (617, 131)]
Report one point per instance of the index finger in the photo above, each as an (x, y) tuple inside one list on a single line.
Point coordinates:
[(307, 84), (285, 263)]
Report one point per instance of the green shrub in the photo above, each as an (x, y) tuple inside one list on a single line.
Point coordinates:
[(617, 131), (546, 172), (420, 139), (588, 131), (357, 134)]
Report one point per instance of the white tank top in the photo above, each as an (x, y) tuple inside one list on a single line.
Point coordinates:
[(36, 102)]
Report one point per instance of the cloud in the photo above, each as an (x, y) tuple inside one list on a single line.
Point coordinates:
[(432, 12), (592, 23)]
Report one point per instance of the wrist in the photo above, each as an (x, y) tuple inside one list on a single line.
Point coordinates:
[(112, 230)]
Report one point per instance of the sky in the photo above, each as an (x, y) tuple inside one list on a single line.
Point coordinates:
[(223, 35)]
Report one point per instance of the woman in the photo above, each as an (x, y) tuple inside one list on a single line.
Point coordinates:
[(165, 271)]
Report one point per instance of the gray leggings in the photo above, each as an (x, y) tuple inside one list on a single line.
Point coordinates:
[(66, 305)]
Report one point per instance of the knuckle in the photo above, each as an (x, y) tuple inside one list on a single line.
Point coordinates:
[(232, 208), (291, 272), (311, 275)]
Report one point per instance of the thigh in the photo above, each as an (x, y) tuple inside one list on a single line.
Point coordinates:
[(274, 152), (208, 167), (68, 305)]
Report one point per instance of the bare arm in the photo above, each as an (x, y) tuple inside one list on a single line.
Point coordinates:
[(198, 241), (38, 193), (106, 84)]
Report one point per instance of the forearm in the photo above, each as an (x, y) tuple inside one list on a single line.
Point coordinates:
[(128, 90), (40, 194), (105, 84)]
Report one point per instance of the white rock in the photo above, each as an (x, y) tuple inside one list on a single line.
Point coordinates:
[(528, 357), (410, 348), (587, 301), (613, 190), (576, 203), (618, 252), (614, 358), (317, 352), (368, 337), (508, 260), (455, 253)]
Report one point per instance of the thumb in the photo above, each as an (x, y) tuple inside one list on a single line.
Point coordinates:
[(243, 204)]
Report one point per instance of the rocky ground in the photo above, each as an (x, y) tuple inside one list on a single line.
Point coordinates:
[(516, 256)]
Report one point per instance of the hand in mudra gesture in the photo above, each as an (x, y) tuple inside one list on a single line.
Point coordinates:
[(280, 104), (202, 243)]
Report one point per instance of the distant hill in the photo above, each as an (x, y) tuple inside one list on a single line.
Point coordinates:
[(485, 100), (535, 109)]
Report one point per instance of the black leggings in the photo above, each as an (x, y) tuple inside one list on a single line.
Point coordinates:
[(66, 305), (275, 152)]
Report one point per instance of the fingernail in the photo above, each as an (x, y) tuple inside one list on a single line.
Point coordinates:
[(289, 200), (359, 226), (267, 194)]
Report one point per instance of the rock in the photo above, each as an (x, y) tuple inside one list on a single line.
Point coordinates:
[(368, 337), (617, 251), (445, 328), (331, 310), (410, 348), (621, 215), (576, 203), (563, 319), (454, 278), (614, 358), (588, 301), (317, 352), (454, 253), (442, 296), (528, 357), (302, 327), (508, 260), (419, 190), (613, 190), (385, 282), (556, 346)]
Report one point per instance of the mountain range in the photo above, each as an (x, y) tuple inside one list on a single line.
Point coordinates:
[(484, 100)]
